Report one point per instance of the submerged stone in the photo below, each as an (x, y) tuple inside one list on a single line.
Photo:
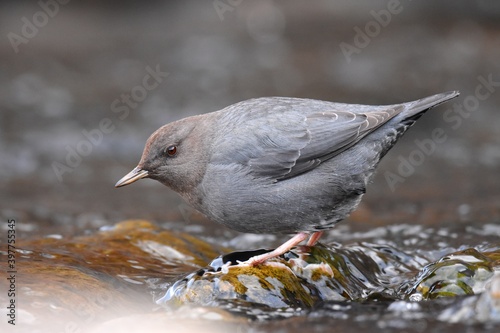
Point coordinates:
[(456, 274), (307, 276), (482, 308), (301, 278)]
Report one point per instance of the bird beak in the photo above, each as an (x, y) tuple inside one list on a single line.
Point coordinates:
[(132, 176)]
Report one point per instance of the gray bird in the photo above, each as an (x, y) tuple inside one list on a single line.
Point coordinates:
[(277, 164)]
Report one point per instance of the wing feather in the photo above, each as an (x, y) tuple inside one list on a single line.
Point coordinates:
[(281, 145)]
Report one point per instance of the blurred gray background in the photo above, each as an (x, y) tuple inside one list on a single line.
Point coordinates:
[(73, 80)]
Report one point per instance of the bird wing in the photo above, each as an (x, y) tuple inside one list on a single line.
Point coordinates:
[(280, 146)]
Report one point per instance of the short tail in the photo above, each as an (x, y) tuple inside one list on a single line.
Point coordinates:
[(419, 107), (412, 111)]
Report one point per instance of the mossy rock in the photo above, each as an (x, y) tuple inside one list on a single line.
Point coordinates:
[(456, 274)]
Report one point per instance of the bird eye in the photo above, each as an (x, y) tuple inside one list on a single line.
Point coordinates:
[(171, 150)]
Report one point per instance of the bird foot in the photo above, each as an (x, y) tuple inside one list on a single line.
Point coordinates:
[(285, 247)]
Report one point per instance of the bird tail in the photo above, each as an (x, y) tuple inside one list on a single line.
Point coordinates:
[(413, 111), (419, 107)]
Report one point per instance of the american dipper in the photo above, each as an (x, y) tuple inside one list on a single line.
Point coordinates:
[(277, 164)]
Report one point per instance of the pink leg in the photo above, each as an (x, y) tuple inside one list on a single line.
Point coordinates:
[(314, 238), (301, 236)]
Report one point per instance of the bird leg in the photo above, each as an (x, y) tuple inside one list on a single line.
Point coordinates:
[(257, 260), (314, 238)]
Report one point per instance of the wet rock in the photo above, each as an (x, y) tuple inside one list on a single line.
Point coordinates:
[(308, 276), (301, 278), (483, 308), (89, 279), (456, 274)]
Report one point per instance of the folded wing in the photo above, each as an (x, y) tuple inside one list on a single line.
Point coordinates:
[(281, 145)]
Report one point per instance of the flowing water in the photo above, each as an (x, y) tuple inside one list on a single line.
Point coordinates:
[(400, 277)]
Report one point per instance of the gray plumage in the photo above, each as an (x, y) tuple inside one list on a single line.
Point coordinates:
[(278, 165)]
